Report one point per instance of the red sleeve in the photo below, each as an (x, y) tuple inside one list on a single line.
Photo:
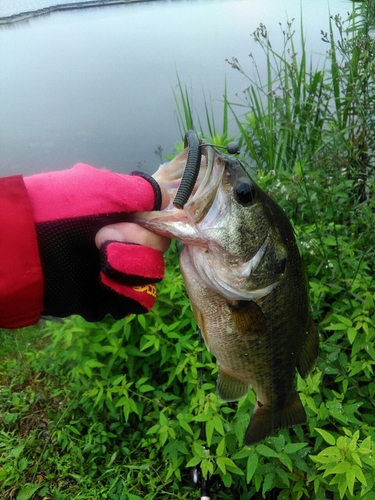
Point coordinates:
[(21, 276)]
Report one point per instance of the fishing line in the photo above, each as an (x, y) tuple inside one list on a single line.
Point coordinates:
[(196, 473), (232, 147), (184, 192)]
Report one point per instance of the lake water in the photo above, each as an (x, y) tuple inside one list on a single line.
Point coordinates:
[(95, 85)]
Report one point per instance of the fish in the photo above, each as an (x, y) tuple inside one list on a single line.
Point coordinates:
[(247, 285)]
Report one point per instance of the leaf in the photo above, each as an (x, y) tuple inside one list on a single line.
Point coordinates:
[(146, 388), (15, 400), (16, 452), (221, 464), (184, 425), (252, 464), (224, 462), (294, 447), (220, 448), (22, 464), (243, 453), (340, 468), (218, 424), (359, 474), (352, 333), (28, 491), (265, 451), (153, 429), (125, 407), (207, 467), (268, 482), (350, 479), (150, 343), (130, 496), (356, 458), (337, 326), (93, 363), (366, 445), (227, 480), (199, 450), (203, 417), (342, 485), (326, 436), (113, 458), (142, 321), (344, 320), (194, 461), (285, 459), (119, 379), (163, 419), (283, 476), (209, 431), (139, 382), (163, 436), (232, 466)]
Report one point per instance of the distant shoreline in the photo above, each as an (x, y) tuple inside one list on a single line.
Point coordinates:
[(23, 16)]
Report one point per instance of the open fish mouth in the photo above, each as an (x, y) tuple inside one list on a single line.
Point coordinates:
[(182, 224), (169, 176)]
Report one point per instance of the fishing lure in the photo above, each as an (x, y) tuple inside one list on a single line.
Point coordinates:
[(193, 164)]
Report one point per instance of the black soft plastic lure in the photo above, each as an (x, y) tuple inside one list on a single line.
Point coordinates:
[(191, 171)]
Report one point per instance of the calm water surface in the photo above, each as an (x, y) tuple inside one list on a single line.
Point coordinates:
[(95, 85)]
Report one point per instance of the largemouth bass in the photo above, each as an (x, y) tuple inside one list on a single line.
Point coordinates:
[(247, 286)]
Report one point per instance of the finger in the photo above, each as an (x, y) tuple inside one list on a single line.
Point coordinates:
[(165, 198), (130, 232)]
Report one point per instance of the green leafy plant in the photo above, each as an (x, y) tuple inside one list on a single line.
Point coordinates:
[(348, 461)]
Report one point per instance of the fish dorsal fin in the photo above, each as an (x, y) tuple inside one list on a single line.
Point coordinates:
[(309, 351), (230, 388), (247, 317), (265, 420)]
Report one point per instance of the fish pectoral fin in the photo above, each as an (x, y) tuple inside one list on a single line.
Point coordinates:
[(265, 420), (309, 351), (247, 317), (230, 388)]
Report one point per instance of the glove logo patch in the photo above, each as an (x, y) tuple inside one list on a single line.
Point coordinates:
[(149, 289)]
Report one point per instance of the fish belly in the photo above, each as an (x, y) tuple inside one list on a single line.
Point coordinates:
[(241, 356)]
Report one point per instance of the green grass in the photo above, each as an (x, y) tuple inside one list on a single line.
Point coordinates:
[(114, 410)]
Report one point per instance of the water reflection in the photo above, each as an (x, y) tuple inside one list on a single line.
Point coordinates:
[(96, 85)]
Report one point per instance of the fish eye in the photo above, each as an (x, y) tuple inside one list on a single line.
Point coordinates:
[(245, 193)]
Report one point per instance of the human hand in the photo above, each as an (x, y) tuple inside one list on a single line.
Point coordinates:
[(81, 210), (130, 232)]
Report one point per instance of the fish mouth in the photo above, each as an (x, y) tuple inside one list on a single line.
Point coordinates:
[(180, 223), (169, 177), (203, 197)]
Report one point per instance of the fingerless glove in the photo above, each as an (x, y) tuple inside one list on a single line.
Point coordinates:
[(68, 208)]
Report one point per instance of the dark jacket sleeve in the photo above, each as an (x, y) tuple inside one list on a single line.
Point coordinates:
[(21, 277)]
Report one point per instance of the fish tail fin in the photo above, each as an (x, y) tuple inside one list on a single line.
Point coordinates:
[(265, 421)]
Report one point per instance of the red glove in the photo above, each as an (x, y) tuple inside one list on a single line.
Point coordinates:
[(69, 207)]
